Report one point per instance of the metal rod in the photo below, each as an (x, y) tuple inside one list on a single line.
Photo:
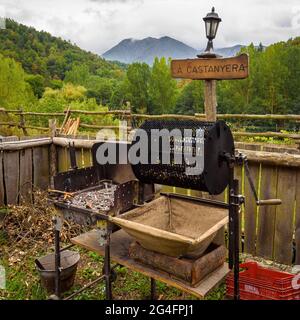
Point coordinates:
[(57, 263), (236, 241), (231, 219), (92, 283), (207, 201), (67, 247), (107, 269), (153, 289), (89, 285)]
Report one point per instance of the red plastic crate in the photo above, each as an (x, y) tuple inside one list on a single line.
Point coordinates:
[(259, 283)]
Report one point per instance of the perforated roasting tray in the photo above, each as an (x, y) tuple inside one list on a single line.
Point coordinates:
[(174, 226)]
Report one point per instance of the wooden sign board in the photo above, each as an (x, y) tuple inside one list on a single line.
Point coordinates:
[(216, 69)]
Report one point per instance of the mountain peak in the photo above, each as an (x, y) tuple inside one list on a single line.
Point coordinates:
[(145, 50)]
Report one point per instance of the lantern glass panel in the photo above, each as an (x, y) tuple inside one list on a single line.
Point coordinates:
[(208, 28), (214, 28)]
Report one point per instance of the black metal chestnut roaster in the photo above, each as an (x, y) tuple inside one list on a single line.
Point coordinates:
[(214, 140), (216, 154)]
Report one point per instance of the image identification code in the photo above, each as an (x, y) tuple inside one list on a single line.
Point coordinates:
[(133, 311)]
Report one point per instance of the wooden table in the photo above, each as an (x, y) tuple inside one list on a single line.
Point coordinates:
[(120, 242)]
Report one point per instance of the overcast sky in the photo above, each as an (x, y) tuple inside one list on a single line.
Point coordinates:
[(97, 25)]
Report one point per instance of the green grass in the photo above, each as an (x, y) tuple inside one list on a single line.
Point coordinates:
[(23, 282)]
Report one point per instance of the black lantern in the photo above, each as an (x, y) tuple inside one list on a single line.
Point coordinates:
[(212, 21)]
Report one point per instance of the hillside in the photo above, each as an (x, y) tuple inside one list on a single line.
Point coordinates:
[(145, 50), (41, 53)]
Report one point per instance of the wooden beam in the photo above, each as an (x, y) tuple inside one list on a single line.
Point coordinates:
[(267, 134), (292, 117), (23, 144), (210, 100), (273, 158), (45, 114), (164, 116), (78, 143), (112, 112), (92, 126)]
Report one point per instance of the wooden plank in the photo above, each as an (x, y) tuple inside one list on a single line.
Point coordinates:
[(181, 191), (2, 190), (87, 158), (120, 242), (79, 158), (191, 271), (217, 69), (297, 219), (266, 214), (286, 191), (62, 159), (28, 143), (41, 168), (11, 176), (273, 158), (26, 176), (250, 213)]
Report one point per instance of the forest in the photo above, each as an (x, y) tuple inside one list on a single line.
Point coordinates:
[(39, 72)]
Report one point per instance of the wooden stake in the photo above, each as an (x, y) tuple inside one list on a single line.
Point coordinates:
[(22, 123), (52, 152), (210, 100)]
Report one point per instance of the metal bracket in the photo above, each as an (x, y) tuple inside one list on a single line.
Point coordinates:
[(236, 199)]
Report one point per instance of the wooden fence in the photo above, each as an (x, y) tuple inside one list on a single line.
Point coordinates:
[(270, 232), (133, 119), (24, 168)]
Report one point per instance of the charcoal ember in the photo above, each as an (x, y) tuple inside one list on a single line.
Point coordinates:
[(101, 199)]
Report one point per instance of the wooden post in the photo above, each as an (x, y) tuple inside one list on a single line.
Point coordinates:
[(22, 122), (210, 100), (52, 152)]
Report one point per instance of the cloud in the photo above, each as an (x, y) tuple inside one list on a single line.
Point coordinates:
[(97, 25)]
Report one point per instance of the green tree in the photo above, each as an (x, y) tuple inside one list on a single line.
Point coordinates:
[(37, 83), (14, 90), (79, 75), (137, 83), (162, 88), (191, 98), (100, 88)]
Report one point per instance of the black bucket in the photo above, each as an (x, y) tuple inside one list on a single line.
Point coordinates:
[(69, 262)]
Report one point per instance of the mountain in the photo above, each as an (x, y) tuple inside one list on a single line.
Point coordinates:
[(145, 50), (42, 54)]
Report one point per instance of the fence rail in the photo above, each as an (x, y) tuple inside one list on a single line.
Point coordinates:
[(132, 117)]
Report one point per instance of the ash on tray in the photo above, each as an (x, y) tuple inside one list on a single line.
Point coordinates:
[(101, 199)]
